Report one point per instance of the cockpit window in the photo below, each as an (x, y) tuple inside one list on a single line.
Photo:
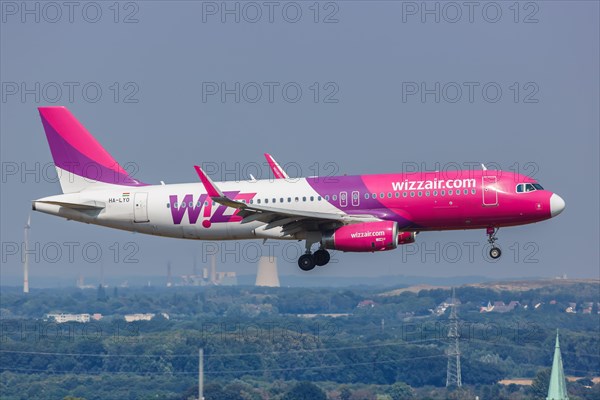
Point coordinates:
[(528, 187)]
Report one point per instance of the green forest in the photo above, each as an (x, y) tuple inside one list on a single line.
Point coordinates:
[(293, 343)]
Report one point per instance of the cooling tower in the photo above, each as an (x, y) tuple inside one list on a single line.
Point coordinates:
[(267, 272)]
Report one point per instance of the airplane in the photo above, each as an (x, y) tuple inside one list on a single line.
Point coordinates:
[(360, 213)]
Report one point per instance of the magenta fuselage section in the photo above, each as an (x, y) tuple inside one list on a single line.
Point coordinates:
[(438, 200)]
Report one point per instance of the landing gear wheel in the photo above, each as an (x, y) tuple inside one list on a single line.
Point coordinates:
[(321, 257), (306, 262), (495, 252)]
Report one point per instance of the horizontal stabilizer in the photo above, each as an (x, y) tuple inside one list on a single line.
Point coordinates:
[(90, 205)]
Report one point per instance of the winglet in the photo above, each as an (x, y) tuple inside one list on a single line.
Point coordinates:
[(209, 185), (214, 192), (278, 172)]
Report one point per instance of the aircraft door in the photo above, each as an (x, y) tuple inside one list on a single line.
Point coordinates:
[(140, 207), (490, 195)]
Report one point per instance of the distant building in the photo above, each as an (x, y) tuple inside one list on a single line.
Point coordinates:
[(487, 308), (193, 280), (139, 317), (81, 284), (226, 279), (366, 304), (572, 309), (61, 318), (557, 389), (500, 307), (443, 306)]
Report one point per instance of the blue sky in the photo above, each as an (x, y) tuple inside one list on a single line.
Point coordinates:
[(351, 86)]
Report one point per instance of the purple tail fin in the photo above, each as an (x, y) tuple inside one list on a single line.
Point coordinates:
[(80, 160)]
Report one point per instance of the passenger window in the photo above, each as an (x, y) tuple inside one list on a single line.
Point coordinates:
[(389, 195), (404, 194), (319, 198), (281, 200), (412, 194), (381, 195), (367, 196), (312, 198), (450, 192), (334, 197), (258, 201), (443, 193), (374, 195), (266, 201), (427, 193), (473, 191), (420, 193), (289, 199), (168, 205), (296, 199), (466, 191), (327, 197), (304, 198), (435, 192), (397, 194)]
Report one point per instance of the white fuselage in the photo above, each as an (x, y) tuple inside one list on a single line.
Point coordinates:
[(185, 210)]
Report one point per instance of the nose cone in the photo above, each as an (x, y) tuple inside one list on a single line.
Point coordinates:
[(557, 205)]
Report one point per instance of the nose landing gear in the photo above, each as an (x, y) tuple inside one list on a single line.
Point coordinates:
[(495, 252)]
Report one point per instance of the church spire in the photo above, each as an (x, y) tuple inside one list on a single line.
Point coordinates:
[(557, 390)]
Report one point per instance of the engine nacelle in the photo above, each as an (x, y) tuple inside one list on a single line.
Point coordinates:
[(367, 236), (406, 237)]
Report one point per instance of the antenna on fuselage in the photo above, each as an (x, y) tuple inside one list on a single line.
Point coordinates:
[(483, 167)]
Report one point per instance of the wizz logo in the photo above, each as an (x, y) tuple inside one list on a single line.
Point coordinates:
[(204, 205)]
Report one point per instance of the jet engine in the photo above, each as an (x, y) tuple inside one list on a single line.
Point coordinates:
[(363, 237)]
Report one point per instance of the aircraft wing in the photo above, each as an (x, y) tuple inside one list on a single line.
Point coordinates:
[(292, 221), (278, 172)]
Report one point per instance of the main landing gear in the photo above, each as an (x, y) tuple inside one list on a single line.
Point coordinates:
[(495, 252), (308, 261)]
